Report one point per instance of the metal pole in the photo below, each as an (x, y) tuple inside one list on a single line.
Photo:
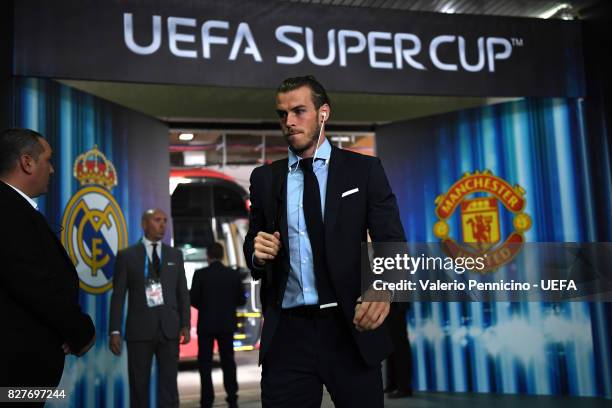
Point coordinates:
[(263, 149), (224, 151)]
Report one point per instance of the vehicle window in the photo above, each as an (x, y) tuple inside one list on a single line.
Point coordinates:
[(195, 232), (192, 200), (228, 202)]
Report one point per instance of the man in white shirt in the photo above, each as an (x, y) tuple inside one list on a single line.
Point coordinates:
[(40, 315), (158, 313)]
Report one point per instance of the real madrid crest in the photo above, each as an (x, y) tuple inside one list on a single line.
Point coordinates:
[(94, 227), (480, 218)]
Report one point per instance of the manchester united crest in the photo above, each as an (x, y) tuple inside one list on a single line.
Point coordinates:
[(94, 226), (480, 233)]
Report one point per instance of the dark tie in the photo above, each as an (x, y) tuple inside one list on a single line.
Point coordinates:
[(312, 199), (154, 262), (316, 232)]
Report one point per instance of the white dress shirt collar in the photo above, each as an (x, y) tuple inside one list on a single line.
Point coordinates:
[(324, 153), (149, 247), (32, 202), (148, 242)]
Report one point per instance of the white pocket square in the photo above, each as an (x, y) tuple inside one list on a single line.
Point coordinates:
[(171, 264), (349, 192)]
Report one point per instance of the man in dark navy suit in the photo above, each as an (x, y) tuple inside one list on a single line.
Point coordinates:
[(40, 316), (399, 363), (309, 215), (216, 291)]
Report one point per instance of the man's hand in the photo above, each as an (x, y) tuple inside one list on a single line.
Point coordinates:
[(266, 246), (115, 344), (87, 347), (370, 315), (184, 335)]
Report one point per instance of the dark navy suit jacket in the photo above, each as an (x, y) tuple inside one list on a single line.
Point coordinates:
[(348, 220)]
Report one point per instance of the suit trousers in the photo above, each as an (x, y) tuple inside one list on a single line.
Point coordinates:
[(309, 352), (228, 365), (140, 357), (399, 363)]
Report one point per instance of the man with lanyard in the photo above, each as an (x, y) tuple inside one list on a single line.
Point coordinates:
[(309, 215), (158, 311)]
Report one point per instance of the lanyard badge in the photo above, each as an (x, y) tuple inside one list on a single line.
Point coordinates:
[(154, 293), (153, 287)]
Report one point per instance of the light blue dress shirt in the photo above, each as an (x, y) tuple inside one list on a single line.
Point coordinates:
[(301, 289)]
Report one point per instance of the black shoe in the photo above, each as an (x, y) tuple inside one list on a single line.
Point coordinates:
[(389, 388), (399, 394)]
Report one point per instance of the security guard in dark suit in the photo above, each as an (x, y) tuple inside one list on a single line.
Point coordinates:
[(40, 315), (216, 291)]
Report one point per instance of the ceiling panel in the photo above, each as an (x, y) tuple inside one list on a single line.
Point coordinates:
[(215, 104), (518, 8)]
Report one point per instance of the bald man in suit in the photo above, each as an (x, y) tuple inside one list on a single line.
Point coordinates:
[(158, 311)]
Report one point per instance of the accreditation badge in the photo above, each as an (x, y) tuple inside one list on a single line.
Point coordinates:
[(154, 293)]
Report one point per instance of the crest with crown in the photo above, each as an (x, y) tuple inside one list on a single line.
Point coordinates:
[(92, 167)]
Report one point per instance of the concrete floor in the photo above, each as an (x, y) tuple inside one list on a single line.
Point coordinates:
[(249, 376)]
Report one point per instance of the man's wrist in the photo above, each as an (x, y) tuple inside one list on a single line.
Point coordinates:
[(377, 294), (257, 264)]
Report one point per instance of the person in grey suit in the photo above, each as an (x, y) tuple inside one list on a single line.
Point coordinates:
[(158, 314)]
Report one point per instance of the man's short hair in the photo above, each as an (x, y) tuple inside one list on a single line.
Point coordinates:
[(319, 95), (16, 142), (215, 251)]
